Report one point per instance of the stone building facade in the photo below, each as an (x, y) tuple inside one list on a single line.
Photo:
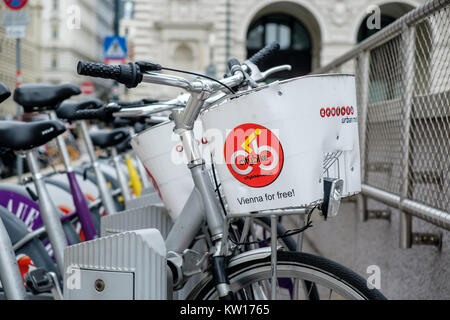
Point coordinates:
[(198, 34), (74, 30), (59, 35)]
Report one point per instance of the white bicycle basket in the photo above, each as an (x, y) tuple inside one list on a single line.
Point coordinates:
[(273, 146), (161, 152)]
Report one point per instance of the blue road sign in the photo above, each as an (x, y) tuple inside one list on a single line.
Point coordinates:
[(115, 47)]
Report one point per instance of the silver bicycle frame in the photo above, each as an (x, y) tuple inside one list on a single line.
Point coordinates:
[(9, 270), (49, 213), (202, 204), (120, 175), (105, 193)]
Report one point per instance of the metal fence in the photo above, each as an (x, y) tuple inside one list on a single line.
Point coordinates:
[(403, 87)]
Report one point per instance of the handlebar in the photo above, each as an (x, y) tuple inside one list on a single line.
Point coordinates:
[(265, 54), (132, 104), (132, 74), (128, 74), (105, 113)]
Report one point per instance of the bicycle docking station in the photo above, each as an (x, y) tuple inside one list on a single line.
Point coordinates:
[(116, 267), (148, 216), (143, 200)]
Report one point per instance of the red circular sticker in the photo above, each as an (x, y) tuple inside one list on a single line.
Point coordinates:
[(322, 112), (15, 4), (253, 155)]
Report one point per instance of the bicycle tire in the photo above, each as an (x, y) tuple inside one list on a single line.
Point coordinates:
[(313, 268)]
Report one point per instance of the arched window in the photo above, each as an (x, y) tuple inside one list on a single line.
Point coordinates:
[(294, 40)]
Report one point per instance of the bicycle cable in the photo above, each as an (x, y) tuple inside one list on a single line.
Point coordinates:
[(286, 234), (217, 186), (199, 75)]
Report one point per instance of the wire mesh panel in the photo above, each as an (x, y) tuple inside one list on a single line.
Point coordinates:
[(384, 117), (429, 161), (403, 91)]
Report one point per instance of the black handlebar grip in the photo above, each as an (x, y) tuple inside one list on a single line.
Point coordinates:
[(265, 54), (93, 114), (98, 70), (88, 114), (128, 74)]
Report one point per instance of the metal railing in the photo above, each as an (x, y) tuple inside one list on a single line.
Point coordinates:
[(403, 88)]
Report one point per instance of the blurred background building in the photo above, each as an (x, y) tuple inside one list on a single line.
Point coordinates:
[(196, 35), (61, 32), (74, 30), (200, 35), (32, 70)]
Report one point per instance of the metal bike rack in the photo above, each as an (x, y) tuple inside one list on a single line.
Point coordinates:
[(145, 217), (117, 267), (144, 200)]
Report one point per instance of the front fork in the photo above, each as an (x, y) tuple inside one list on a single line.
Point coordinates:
[(215, 222), (219, 264)]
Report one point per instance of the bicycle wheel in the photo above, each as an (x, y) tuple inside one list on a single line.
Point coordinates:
[(250, 278)]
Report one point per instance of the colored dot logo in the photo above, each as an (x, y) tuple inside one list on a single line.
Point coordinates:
[(336, 111)]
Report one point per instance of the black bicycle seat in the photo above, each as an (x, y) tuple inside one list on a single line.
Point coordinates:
[(108, 138), (18, 135), (124, 145), (40, 97)]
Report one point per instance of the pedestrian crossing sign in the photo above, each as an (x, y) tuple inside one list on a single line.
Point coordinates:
[(115, 47)]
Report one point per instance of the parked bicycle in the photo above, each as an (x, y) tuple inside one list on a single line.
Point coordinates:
[(230, 274)]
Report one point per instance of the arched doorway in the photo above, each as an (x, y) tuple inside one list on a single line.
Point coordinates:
[(293, 37)]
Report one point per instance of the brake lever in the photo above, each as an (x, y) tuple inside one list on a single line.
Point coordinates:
[(259, 76), (112, 107), (252, 69), (268, 72)]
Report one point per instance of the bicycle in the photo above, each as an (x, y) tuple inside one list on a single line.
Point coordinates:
[(259, 268)]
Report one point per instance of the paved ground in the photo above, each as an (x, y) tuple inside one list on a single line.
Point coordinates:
[(422, 272)]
